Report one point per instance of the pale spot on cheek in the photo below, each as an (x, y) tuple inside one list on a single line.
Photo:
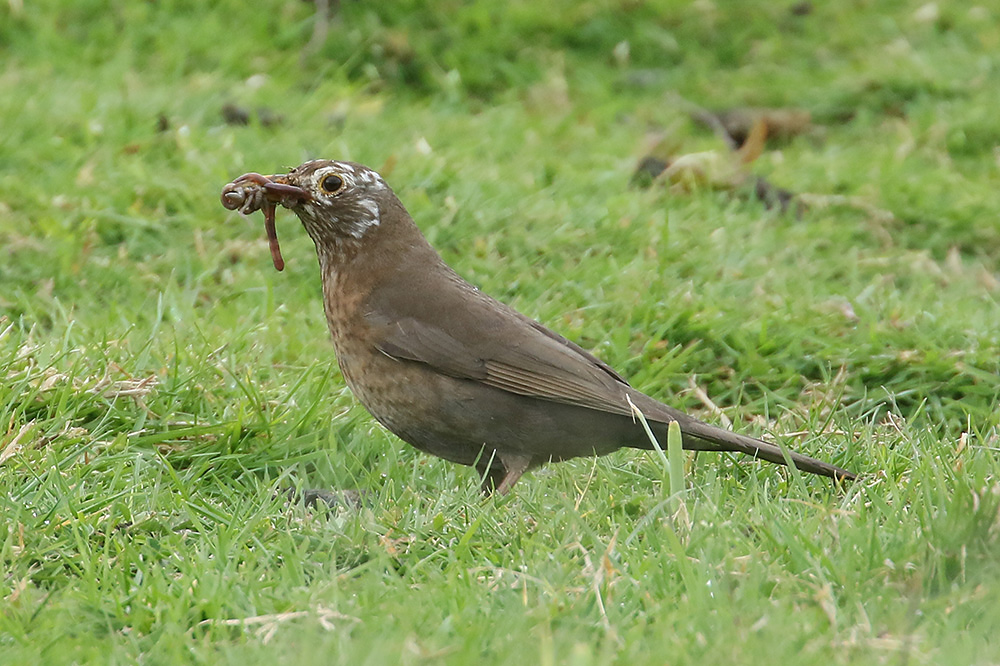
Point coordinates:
[(373, 213)]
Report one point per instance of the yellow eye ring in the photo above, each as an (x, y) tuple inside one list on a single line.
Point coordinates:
[(332, 184)]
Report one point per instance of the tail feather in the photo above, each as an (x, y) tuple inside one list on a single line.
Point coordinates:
[(700, 436)]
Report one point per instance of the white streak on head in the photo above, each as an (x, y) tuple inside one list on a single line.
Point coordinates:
[(350, 211)]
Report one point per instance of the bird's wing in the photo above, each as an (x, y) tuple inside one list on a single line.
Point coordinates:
[(463, 333), (474, 337)]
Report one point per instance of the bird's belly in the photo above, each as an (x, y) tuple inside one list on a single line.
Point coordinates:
[(421, 407), (463, 420)]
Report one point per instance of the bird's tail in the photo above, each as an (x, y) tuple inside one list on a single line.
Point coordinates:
[(700, 436)]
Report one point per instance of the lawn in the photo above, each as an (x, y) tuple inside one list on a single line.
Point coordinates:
[(163, 387)]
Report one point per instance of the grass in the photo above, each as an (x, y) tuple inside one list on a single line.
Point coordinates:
[(162, 385)]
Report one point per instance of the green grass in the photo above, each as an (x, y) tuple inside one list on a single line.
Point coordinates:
[(162, 385)]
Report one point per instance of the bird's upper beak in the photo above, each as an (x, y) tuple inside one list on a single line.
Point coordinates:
[(278, 190)]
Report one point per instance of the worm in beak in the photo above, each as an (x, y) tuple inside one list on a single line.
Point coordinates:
[(252, 192)]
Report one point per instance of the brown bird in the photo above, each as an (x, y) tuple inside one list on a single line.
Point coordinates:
[(445, 367)]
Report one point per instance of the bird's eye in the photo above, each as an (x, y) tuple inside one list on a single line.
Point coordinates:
[(332, 184)]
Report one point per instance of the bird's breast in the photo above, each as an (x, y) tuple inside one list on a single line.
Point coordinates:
[(373, 377), (342, 303)]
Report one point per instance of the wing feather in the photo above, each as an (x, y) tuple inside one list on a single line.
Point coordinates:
[(500, 347)]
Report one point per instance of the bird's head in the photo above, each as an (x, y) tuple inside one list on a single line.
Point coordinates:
[(337, 199), (338, 202)]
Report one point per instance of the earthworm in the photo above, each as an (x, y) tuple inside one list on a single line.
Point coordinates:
[(272, 237), (248, 193)]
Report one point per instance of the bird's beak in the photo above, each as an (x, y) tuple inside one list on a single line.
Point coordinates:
[(277, 189)]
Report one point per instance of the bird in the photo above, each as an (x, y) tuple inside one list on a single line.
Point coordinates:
[(449, 369)]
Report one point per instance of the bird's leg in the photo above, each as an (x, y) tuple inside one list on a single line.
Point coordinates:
[(491, 472), (516, 466), (492, 478), (501, 471)]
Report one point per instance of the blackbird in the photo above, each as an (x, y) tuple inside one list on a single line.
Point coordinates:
[(445, 367)]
